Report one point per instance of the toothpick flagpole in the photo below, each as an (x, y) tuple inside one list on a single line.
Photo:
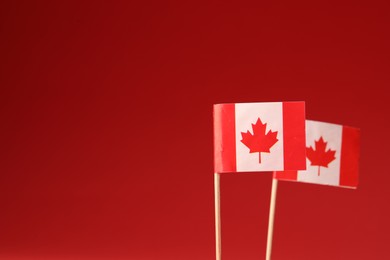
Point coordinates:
[(271, 218), (217, 216)]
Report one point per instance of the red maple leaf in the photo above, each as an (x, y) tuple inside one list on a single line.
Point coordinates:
[(259, 142), (319, 157)]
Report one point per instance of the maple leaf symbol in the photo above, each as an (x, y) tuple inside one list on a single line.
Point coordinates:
[(259, 142), (319, 157)]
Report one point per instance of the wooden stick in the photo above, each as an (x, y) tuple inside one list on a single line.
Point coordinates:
[(217, 216), (271, 218)]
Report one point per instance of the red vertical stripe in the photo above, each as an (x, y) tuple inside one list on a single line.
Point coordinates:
[(350, 150), (224, 138), (294, 139)]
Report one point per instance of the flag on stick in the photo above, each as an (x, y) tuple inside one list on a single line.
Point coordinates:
[(256, 137)]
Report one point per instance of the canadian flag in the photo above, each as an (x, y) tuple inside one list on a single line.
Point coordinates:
[(259, 137), (332, 156)]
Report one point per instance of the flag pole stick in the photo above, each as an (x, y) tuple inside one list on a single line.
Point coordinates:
[(271, 218), (217, 216)]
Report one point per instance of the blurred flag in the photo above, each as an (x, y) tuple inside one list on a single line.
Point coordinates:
[(332, 156)]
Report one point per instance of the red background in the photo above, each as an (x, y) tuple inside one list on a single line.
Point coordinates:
[(106, 127)]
